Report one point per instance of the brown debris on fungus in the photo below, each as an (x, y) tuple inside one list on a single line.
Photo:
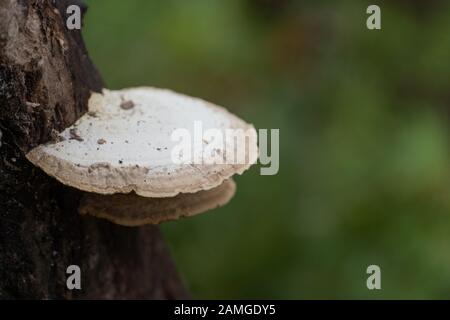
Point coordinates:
[(74, 135), (127, 105)]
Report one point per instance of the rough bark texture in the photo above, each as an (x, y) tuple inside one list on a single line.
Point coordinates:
[(45, 81)]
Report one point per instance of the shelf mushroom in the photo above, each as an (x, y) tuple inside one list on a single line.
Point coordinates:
[(147, 155)]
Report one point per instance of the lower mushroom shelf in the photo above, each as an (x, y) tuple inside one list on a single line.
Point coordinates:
[(133, 210)]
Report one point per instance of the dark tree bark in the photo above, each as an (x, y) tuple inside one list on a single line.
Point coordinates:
[(45, 80)]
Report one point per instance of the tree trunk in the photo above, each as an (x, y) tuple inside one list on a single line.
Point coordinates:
[(45, 80)]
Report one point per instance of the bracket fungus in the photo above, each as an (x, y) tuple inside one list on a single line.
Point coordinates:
[(133, 155)]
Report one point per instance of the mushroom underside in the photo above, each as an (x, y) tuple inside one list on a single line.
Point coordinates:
[(134, 210)]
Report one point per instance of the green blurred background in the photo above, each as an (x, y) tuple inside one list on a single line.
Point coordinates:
[(364, 138)]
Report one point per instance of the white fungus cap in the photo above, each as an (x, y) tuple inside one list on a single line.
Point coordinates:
[(124, 143)]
